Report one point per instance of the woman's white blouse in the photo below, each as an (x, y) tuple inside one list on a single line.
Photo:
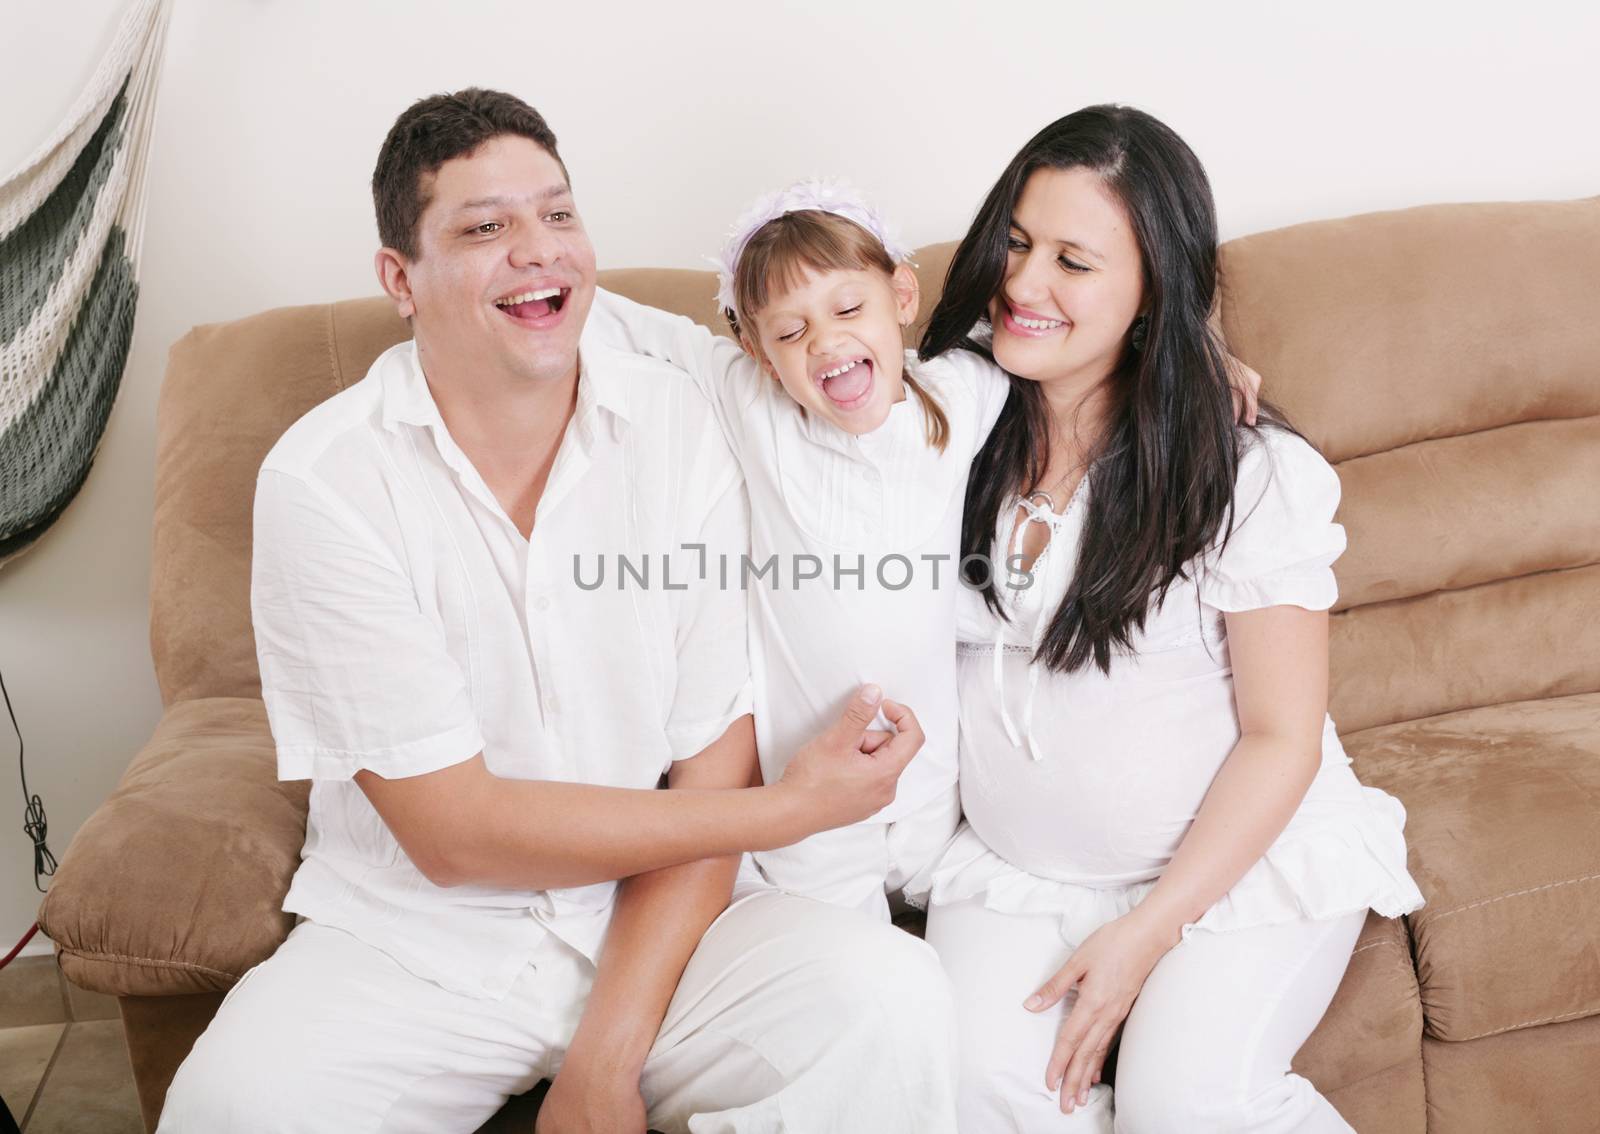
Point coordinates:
[(1078, 788), (875, 520)]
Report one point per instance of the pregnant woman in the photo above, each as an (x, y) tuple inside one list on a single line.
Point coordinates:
[(1163, 833)]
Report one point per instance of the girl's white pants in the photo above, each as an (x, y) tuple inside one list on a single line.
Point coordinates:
[(792, 1015), (1206, 1047)]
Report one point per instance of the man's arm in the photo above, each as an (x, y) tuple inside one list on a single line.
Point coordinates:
[(464, 824), (659, 919)]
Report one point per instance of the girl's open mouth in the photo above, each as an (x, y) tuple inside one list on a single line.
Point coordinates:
[(848, 384)]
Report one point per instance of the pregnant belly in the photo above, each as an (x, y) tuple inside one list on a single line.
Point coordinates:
[(1125, 764)]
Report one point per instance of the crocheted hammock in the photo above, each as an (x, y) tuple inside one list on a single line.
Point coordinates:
[(70, 223)]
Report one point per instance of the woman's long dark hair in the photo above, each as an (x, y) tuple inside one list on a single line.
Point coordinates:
[(1161, 485)]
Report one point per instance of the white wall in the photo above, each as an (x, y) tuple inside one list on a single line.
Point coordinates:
[(273, 111)]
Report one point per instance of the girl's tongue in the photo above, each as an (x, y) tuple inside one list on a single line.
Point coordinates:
[(851, 385)]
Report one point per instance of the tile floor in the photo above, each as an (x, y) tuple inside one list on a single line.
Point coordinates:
[(63, 1060)]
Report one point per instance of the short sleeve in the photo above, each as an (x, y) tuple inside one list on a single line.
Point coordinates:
[(713, 686), (354, 676), (1284, 541), (985, 387)]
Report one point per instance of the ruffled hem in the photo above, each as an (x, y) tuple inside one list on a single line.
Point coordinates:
[(1328, 867), (1313, 590)]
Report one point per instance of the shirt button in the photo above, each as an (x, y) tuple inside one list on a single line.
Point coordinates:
[(541, 603), (553, 703)]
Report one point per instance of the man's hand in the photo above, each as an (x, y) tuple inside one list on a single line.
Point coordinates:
[(1245, 381), (850, 772), (585, 1099)]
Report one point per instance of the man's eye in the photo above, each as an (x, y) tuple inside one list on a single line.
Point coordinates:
[(488, 227), (560, 216)]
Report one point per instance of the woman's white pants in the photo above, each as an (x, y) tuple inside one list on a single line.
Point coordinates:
[(1206, 1047), (792, 1015)]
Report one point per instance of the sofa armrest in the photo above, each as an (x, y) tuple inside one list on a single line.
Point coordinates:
[(176, 883)]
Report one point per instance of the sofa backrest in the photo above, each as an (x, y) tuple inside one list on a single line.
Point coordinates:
[(1446, 358)]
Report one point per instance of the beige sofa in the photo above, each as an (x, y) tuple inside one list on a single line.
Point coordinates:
[(1446, 358)]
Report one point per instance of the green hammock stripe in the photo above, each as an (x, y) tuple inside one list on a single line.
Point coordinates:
[(46, 452), (35, 253)]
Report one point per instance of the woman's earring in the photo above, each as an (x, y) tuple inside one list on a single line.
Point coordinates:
[(1141, 328)]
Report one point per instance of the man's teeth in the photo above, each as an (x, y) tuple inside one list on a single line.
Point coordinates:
[(843, 369), (528, 297), (1035, 324)]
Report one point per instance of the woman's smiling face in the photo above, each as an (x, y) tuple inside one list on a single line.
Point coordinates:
[(1074, 281)]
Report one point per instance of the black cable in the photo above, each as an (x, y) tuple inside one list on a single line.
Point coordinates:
[(34, 824)]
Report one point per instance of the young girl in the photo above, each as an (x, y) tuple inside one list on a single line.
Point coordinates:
[(855, 455), (1161, 825)]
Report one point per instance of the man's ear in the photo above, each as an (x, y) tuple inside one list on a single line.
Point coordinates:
[(393, 276), (907, 294)]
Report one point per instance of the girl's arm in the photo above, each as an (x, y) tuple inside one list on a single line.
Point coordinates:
[(716, 364)]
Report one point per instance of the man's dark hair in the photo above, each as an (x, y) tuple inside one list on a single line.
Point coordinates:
[(431, 132)]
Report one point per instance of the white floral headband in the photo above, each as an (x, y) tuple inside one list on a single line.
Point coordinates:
[(825, 196)]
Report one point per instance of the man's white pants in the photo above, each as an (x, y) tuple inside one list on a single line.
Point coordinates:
[(1205, 1050), (792, 1015)]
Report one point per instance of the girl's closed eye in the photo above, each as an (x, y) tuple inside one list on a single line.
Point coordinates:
[(1072, 265)]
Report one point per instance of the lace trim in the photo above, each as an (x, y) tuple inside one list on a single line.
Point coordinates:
[(986, 648)]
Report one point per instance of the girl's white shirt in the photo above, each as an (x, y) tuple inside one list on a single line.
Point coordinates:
[(876, 518)]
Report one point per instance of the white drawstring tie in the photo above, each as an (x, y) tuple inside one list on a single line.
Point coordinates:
[(1040, 514)]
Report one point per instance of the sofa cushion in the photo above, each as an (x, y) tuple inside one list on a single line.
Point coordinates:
[(1375, 1021), (1449, 651), (1504, 842), (231, 390), (175, 884), (1535, 1079)]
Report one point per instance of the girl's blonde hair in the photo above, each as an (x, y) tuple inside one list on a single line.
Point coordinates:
[(782, 250)]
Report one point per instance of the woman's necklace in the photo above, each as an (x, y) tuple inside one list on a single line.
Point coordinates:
[(1049, 496)]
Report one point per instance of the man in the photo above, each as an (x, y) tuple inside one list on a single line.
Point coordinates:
[(483, 733)]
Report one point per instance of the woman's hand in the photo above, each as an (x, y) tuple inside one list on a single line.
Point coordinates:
[(1108, 969)]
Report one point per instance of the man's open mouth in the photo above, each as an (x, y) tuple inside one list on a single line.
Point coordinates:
[(534, 304)]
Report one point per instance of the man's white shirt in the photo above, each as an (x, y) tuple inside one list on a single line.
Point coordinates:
[(403, 625)]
